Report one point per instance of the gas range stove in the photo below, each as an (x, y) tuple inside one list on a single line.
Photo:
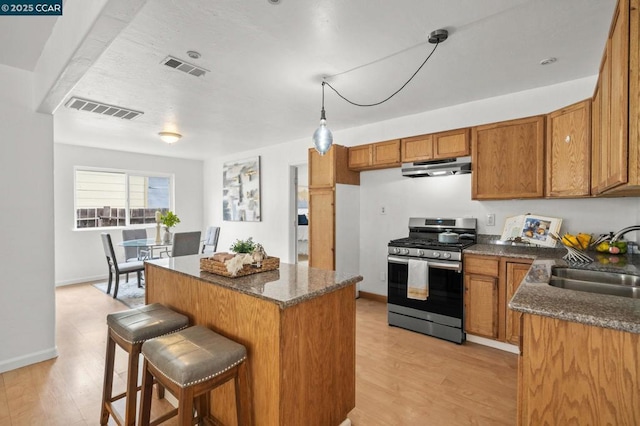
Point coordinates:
[(422, 241)]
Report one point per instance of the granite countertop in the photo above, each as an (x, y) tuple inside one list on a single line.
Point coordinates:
[(286, 286), (536, 296)]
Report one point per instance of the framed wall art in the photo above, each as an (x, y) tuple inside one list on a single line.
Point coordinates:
[(241, 190)]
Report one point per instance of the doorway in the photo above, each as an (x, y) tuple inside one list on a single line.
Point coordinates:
[(301, 205)]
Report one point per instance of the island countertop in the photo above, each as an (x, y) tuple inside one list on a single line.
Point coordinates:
[(286, 286)]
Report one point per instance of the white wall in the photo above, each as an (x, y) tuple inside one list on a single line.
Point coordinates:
[(405, 197), (79, 254), (276, 228), (27, 301)]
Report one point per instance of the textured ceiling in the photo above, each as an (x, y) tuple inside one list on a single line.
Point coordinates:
[(266, 63)]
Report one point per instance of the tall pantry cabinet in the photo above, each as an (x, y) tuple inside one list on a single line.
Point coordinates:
[(334, 211)]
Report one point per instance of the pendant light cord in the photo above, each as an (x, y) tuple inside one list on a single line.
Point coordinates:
[(390, 96)]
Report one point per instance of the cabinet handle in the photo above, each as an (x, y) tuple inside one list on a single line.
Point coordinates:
[(567, 139)]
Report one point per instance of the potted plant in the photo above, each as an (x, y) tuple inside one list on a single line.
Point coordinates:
[(243, 246), (169, 220)]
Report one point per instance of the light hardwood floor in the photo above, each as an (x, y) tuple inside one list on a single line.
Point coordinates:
[(403, 378)]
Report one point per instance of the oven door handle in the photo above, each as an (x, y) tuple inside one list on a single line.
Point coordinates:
[(453, 266)]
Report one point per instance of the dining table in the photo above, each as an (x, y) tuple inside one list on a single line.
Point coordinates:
[(145, 246)]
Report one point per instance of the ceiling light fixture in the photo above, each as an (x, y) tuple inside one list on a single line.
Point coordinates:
[(322, 137), (193, 54), (548, 61), (169, 137)]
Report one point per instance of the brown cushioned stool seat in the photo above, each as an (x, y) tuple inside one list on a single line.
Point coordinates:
[(130, 329), (190, 364)]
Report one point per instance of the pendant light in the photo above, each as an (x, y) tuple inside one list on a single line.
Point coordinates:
[(322, 137)]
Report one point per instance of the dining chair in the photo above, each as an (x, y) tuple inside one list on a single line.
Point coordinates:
[(116, 268), (133, 254), (185, 243), (211, 238)]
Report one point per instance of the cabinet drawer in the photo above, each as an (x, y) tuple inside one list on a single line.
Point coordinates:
[(482, 265)]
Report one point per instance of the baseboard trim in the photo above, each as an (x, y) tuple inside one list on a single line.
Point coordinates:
[(373, 296), (23, 361), (100, 278), (507, 347)]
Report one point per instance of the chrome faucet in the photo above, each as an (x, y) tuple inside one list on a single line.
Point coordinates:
[(623, 231)]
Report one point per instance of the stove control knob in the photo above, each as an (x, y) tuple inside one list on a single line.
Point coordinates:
[(405, 251), (436, 254), (446, 255), (420, 253), (394, 250)]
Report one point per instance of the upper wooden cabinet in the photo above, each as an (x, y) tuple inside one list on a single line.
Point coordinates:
[(327, 170), (616, 102), (568, 151), (508, 159), (373, 156), (450, 144)]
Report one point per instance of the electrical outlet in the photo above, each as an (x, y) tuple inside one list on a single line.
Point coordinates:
[(383, 276), (383, 210), (491, 219)]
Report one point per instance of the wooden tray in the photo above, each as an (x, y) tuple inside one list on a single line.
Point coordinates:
[(218, 268)]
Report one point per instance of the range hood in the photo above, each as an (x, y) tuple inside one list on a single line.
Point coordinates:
[(453, 166)]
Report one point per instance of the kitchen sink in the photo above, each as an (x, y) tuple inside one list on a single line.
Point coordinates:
[(612, 283)]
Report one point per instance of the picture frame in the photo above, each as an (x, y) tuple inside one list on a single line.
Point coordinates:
[(532, 229), (241, 190)]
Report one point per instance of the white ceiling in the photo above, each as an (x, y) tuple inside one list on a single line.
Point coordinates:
[(266, 64)]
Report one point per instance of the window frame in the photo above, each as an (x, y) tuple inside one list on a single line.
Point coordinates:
[(127, 173)]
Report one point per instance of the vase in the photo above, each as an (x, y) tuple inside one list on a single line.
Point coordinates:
[(166, 238)]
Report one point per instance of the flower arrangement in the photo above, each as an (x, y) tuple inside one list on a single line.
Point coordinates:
[(169, 219), (243, 246)]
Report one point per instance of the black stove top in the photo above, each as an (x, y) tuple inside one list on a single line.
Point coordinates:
[(424, 243)]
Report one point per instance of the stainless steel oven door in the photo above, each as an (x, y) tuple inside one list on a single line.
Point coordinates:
[(445, 286)]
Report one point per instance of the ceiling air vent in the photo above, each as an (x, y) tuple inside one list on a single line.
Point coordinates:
[(101, 108), (183, 66)]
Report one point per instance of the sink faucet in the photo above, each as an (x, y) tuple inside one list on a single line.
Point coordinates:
[(623, 231)]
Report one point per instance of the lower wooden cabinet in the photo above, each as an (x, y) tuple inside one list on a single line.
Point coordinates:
[(481, 305), (489, 284), (576, 374)]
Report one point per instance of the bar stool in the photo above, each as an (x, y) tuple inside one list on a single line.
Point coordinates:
[(130, 329), (190, 364)]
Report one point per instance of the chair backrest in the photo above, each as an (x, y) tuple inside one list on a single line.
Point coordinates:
[(108, 251), (211, 238), (185, 243), (132, 234)]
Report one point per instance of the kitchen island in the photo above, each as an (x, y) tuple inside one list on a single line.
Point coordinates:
[(297, 323)]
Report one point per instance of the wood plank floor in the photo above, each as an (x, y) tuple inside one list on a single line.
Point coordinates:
[(403, 378)]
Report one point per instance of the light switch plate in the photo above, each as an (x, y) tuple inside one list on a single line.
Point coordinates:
[(491, 219)]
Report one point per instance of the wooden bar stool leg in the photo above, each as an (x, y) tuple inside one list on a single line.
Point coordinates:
[(145, 402), (108, 378), (132, 385), (185, 406)]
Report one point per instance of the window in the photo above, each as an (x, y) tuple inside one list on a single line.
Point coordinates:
[(109, 198)]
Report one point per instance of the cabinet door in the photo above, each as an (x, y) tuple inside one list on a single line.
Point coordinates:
[(360, 157), (321, 169), (619, 107), (451, 144), (386, 153), (417, 148), (481, 305), (514, 276), (322, 228), (596, 137), (508, 159), (569, 151)]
